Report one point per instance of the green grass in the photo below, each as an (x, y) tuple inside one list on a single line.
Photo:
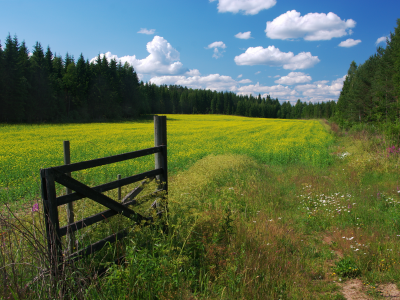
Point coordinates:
[(242, 229)]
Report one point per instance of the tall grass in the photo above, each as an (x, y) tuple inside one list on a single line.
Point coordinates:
[(242, 229)]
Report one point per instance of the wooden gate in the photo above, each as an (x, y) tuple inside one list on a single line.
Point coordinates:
[(60, 174)]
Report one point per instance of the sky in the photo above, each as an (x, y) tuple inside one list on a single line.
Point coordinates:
[(288, 49)]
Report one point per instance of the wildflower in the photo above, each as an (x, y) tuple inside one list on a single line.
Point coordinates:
[(35, 207)]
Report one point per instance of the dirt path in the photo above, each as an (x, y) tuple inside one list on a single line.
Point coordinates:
[(354, 289)]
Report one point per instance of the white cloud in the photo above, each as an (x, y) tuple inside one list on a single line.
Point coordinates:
[(349, 43), (258, 72), (382, 39), (311, 27), (212, 82), (294, 78), (275, 90), (217, 45), (240, 76), (217, 53), (248, 7), (146, 31), (244, 36), (273, 57), (163, 59), (193, 72), (317, 91), (277, 76), (321, 90)]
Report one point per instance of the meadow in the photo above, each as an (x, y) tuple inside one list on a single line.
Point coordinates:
[(25, 149), (258, 209)]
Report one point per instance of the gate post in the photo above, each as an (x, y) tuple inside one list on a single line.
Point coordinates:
[(52, 223), (70, 207), (160, 139)]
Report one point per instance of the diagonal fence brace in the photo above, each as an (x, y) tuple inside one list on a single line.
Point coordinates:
[(88, 192)]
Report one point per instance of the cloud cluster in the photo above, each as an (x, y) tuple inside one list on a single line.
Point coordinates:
[(248, 7), (162, 59), (321, 90), (314, 92), (382, 39), (211, 82), (311, 27), (276, 91), (294, 78), (146, 31), (217, 46), (273, 57), (243, 35), (349, 43)]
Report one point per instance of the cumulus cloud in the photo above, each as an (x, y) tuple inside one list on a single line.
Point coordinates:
[(349, 43), (316, 91), (382, 39), (146, 31), (294, 78), (240, 76), (273, 57), (193, 72), (311, 27), (258, 72), (275, 90), (321, 90), (247, 7), (244, 36), (211, 82), (217, 52), (162, 59)]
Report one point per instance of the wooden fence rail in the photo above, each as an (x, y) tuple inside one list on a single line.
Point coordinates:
[(76, 190)]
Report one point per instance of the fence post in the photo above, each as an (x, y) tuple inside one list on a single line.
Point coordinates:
[(119, 188), (70, 207), (160, 139), (52, 224)]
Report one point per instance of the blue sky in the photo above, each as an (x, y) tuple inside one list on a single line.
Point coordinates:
[(285, 48)]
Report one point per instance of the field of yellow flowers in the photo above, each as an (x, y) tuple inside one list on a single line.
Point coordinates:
[(25, 149)]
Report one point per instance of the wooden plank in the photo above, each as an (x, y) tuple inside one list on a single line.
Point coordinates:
[(136, 191), (106, 160), (70, 207), (92, 219), (52, 215), (45, 208), (86, 191), (97, 246), (103, 215), (119, 188), (110, 186)]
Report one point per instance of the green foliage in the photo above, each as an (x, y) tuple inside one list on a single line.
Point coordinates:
[(347, 268), (52, 88), (371, 91)]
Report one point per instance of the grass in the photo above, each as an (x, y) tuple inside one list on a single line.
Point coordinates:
[(25, 149), (241, 228)]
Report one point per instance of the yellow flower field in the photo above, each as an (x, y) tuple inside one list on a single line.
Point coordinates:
[(25, 149)]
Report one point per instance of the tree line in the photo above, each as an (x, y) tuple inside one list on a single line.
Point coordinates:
[(45, 87), (371, 91)]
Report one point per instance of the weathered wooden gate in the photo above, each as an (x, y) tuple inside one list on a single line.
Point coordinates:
[(60, 174)]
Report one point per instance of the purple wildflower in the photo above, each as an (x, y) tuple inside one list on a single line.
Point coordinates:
[(35, 207)]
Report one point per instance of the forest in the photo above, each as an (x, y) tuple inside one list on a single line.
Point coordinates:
[(40, 86), (371, 91)]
